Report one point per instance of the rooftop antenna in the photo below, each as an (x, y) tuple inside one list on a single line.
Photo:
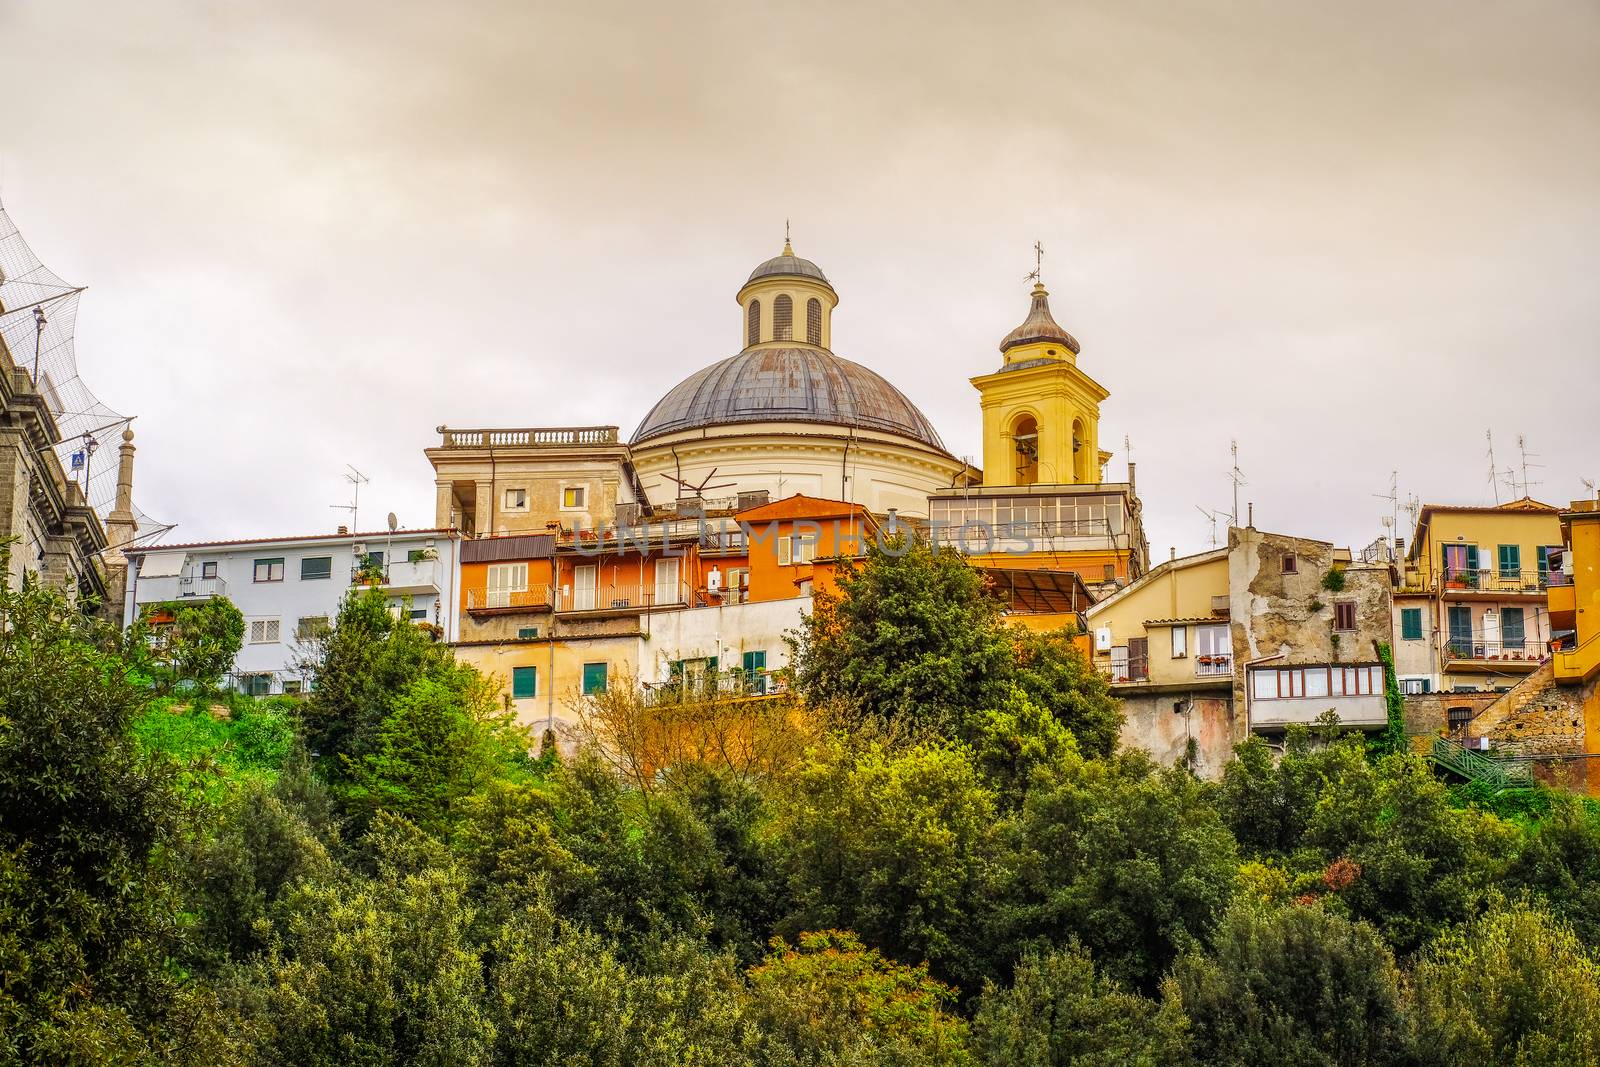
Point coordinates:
[(1127, 455), (356, 480), (1522, 446), (1494, 475), (1236, 476), (1413, 508), (1211, 517), (1588, 483), (1038, 264), (1392, 519)]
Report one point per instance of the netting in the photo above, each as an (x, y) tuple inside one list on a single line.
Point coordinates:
[(90, 431)]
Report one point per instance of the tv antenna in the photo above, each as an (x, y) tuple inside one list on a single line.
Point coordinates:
[(1588, 483), (1236, 476), (699, 487), (1391, 520), (1522, 447), (356, 480), (1038, 263), (1212, 517)]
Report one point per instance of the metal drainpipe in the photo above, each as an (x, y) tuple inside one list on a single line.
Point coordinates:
[(550, 683), (844, 460)]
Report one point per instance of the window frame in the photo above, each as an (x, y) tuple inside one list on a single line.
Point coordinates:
[(600, 670), (1180, 642), (269, 625), (530, 674), (270, 561), (578, 493), (1344, 616), (521, 503), (1291, 563), (208, 569), (304, 577), (1514, 554), (1407, 617)]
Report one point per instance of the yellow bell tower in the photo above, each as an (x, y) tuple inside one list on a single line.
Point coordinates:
[(1041, 414)]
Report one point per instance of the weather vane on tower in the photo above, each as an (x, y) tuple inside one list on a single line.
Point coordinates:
[(1038, 263)]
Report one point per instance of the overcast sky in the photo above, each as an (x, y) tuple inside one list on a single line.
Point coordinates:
[(1353, 236)]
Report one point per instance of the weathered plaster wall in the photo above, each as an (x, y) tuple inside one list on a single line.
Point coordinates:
[(1151, 724)]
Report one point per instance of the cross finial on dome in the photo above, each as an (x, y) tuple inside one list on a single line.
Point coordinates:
[(788, 249), (1038, 266)]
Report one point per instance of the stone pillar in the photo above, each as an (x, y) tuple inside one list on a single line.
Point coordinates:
[(482, 518), (444, 506), (16, 483)]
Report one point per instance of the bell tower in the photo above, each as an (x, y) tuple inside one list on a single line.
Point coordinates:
[(1041, 413)]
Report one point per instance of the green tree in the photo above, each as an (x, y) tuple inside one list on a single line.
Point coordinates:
[(1058, 1012), (198, 646), (1560, 860), (1294, 985), (1016, 741), (830, 999), (1132, 861), (894, 846), (377, 970), (1056, 676), (912, 635), (1511, 987), (443, 738), (88, 912)]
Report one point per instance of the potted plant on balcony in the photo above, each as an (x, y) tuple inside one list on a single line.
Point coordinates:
[(368, 573)]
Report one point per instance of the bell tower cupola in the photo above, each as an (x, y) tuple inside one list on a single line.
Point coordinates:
[(1041, 413), (787, 301)]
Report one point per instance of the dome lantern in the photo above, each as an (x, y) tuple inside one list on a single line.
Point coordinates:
[(787, 300)]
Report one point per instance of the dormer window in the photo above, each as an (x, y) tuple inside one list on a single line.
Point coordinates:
[(783, 318), (752, 324), (814, 321)]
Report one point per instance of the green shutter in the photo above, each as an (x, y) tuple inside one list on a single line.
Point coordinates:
[(1512, 629), (524, 682), (755, 662), (527, 633), (1510, 560), (1411, 624), (1544, 564), (594, 678), (1472, 559)]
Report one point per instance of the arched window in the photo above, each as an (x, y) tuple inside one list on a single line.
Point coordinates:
[(752, 324), (1080, 454), (1025, 439), (814, 321), (783, 318)]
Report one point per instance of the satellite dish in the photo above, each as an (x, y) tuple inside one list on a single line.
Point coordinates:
[(394, 523)]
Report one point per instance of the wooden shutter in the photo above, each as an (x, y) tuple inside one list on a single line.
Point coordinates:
[(1138, 658)]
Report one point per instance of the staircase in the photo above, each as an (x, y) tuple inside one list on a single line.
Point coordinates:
[(1495, 773)]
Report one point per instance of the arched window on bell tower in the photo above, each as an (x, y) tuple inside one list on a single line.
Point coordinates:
[(1080, 454), (752, 324), (783, 318), (1025, 439), (814, 322)]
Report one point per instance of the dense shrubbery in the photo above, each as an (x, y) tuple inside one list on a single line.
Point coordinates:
[(947, 860)]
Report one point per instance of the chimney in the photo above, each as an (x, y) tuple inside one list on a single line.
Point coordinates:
[(343, 530), (1133, 469), (1252, 509)]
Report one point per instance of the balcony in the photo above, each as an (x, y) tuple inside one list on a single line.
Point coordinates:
[(1213, 666), (193, 588), (509, 601), (531, 437), (1563, 606), (1495, 652), (1578, 664), (622, 599), (713, 685), (1493, 582), (402, 577)]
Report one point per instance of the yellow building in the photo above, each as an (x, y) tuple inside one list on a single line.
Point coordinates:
[(1470, 603), (1044, 503)]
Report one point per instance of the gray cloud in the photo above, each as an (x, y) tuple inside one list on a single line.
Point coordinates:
[(1352, 236)]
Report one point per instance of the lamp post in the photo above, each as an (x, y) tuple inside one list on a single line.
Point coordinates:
[(38, 335)]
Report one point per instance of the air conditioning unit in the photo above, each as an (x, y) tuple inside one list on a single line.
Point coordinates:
[(359, 548), (1102, 639)]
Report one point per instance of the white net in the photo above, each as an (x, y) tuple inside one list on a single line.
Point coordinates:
[(90, 431)]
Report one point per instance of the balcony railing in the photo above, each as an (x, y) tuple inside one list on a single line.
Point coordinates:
[(1213, 666), (645, 597), (978, 532), (714, 684), (201, 588), (1493, 580), (534, 598), (1480, 647), (530, 437)]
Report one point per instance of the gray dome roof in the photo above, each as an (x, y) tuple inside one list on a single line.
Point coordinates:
[(791, 264), (787, 385)]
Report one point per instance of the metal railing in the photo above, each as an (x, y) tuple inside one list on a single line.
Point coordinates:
[(529, 437), (1494, 772), (1493, 580), (201, 588), (1479, 647), (714, 684), (533, 598), (1213, 666), (622, 597), (951, 531)]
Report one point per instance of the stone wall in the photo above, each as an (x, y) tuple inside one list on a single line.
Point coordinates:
[(1151, 724), (1546, 722)]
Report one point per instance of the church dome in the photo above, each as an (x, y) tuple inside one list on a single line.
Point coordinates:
[(1040, 325), (784, 384), (789, 265)]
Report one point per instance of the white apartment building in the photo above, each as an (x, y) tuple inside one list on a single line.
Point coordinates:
[(287, 587)]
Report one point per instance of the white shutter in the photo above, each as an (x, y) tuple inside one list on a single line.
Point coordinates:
[(785, 551), (585, 581), (667, 581)]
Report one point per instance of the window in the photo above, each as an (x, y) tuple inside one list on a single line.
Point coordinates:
[(1457, 718), (1544, 566), (594, 678), (1315, 682), (1291, 565), (1411, 624), (783, 318), (1510, 561), (752, 324), (208, 569), (292, 686), (257, 685), (755, 661), (527, 633), (814, 321), (419, 555), (372, 561), (269, 570), (668, 589), (503, 580), (572, 496), (1212, 641), (264, 631), (313, 568), (1119, 663), (1412, 687), (525, 682), (516, 500), (797, 548), (1344, 615), (311, 626), (1512, 631), (420, 614), (1180, 642), (1139, 659), (1109, 572)]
